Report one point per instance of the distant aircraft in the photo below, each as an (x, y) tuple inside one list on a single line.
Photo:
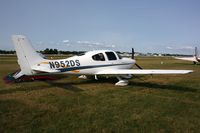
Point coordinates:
[(98, 62), (194, 59)]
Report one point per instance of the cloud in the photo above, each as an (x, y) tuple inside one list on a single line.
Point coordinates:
[(168, 47), (111, 46), (75, 45), (96, 44), (84, 42), (65, 41), (180, 48), (187, 48)]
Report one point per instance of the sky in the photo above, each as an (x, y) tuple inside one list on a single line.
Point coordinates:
[(155, 26)]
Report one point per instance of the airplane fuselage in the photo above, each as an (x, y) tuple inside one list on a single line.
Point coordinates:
[(89, 63)]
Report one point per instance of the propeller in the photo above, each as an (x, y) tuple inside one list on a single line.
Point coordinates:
[(133, 57), (133, 53)]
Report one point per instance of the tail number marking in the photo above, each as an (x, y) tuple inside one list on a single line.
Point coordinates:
[(64, 64)]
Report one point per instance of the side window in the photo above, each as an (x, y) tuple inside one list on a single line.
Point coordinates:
[(111, 56), (98, 57)]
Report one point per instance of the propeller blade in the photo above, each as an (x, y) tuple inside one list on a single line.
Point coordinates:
[(133, 53), (138, 66), (133, 57)]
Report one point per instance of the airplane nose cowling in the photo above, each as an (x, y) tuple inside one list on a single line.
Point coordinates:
[(129, 61), (132, 61)]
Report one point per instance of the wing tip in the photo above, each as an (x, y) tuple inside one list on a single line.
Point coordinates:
[(189, 71)]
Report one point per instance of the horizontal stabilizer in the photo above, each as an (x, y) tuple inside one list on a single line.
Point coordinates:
[(44, 69)]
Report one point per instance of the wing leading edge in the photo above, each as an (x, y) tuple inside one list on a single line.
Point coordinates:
[(140, 72)]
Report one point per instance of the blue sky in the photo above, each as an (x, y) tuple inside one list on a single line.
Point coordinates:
[(163, 26)]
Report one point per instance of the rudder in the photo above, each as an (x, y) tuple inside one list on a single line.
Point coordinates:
[(26, 54)]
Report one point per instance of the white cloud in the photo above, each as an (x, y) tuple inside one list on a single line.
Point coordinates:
[(84, 42), (180, 48), (187, 47), (75, 45), (169, 47), (96, 44), (65, 41), (113, 46)]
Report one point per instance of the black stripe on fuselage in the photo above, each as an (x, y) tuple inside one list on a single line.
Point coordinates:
[(88, 67)]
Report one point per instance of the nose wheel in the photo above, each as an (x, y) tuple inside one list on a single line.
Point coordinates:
[(121, 82)]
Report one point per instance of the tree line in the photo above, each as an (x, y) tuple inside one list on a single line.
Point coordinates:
[(46, 51), (55, 52), (6, 52)]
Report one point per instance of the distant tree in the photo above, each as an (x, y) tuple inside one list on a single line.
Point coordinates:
[(55, 51), (46, 51), (50, 51)]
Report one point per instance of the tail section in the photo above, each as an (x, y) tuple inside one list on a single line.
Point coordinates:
[(26, 54), (196, 55), (196, 52)]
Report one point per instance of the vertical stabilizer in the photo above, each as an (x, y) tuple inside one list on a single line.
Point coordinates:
[(196, 52), (26, 54), (196, 55)]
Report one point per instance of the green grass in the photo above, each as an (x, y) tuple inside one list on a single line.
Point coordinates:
[(158, 103)]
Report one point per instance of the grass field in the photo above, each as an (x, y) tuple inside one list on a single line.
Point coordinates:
[(158, 103)]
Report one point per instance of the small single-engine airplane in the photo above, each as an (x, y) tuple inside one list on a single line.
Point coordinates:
[(195, 59), (98, 62)]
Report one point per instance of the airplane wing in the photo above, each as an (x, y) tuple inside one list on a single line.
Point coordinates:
[(138, 71), (187, 58)]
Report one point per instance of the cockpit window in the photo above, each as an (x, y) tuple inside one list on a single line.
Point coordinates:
[(98, 57), (111, 56)]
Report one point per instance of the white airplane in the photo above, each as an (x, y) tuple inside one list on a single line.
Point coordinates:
[(98, 62), (195, 59)]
